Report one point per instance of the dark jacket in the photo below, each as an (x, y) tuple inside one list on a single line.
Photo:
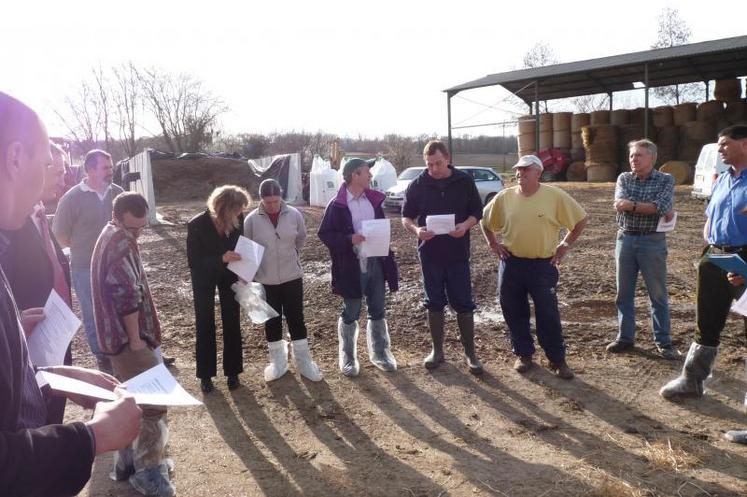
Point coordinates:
[(456, 195), (205, 249), (336, 232)]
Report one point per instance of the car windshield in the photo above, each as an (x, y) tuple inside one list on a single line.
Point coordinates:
[(410, 173)]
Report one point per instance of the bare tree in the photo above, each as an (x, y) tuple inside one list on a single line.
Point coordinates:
[(127, 96), (673, 31), (82, 115), (590, 103), (540, 55), (400, 150), (185, 110)]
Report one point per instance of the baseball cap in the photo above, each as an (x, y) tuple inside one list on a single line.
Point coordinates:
[(529, 160)]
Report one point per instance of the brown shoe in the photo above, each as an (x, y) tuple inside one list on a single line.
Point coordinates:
[(562, 370), (523, 364)]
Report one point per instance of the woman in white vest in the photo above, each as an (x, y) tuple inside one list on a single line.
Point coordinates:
[(281, 230)]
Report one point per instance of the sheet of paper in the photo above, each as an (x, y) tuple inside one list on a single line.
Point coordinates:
[(158, 387), (52, 335), (740, 307), (378, 233), (664, 226), (251, 255), (441, 224), (64, 384)]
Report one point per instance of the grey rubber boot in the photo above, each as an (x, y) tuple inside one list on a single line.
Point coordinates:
[(698, 366), (379, 345), (466, 322), (436, 326), (347, 340), (736, 436)]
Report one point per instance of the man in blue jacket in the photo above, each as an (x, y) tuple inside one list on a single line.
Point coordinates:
[(442, 189), (355, 275)]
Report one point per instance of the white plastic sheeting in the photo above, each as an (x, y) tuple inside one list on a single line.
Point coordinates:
[(323, 182), (141, 164), (293, 193), (384, 176)]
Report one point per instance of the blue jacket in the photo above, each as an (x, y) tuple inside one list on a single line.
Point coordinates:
[(336, 232)]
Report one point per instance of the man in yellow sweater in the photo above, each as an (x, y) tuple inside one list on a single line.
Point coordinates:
[(528, 219)]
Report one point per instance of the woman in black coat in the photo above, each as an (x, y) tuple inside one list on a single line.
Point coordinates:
[(211, 238)]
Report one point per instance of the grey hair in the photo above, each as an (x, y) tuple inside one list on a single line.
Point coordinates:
[(644, 143)]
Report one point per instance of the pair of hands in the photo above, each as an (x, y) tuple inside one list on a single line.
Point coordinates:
[(501, 251), (460, 229)]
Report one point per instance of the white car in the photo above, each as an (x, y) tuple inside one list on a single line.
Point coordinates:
[(707, 169), (487, 181)]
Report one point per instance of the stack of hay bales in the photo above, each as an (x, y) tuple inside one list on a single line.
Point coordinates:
[(578, 121), (545, 139), (620, 117), (576, 171), (667, 143), (638, 116), (680, 170), (728, 90), (627, 133), (663, 116), (684, 113), (561, 131), (527, 136), (600, 117), (600, 144)]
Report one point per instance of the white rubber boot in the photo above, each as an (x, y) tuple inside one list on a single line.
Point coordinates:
[(278, 360), (302, 361), (379, 345), (347, 342)]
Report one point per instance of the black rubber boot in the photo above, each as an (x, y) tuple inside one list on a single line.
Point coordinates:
[(466, 322), (436, 326)]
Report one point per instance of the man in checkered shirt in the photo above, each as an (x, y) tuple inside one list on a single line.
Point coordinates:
[(642, 196)]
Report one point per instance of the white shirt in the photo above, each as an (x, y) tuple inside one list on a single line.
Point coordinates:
[(361, 210), (84, 186)]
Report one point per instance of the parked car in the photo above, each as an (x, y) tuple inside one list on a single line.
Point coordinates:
[(487, 181), (707, 169)]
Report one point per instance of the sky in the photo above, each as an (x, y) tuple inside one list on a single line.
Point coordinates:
[(345, 67)]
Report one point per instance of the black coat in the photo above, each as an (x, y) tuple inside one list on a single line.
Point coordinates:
[(205, 249)]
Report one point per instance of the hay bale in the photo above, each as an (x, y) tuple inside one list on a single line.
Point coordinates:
[(667, 143), (663, 116), (736, 112), (527, 124), (578, 154), (561, 121), (684, 113), (576, 171), (561, 138), (576, 140), (693, 135), (600, 142), (627, 134), (710, 111), (620, 117), (600, 172), (580, 120), (600, 117), (728, 90), (680, 170), (545, 140), (545, 122), (527, 141)]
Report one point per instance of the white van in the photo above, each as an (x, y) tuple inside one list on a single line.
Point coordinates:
[(707, 169)]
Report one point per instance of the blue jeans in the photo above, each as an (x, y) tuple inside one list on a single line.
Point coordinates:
[(447, 283), (82, 286), (647, 254), (372, 286), (536, 278)]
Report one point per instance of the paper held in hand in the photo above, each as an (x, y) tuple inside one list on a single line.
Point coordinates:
[(440, 224), (155, 386), (51, 336), (378, 233), (251, 256), (665, 226), (740, 307)]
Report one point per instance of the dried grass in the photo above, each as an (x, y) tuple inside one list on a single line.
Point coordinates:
[(666, 456), (611, 487)]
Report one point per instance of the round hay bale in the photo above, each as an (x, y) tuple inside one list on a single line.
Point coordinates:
[(576, 171), (684, 113), (711, 110), (736, 112), (619, 117), (663, 116), (600, 142), (680, 170), (527, 124), (667, 143), (728, 90), (580, 120), (578, 154), (527, 140), (693, 135), (600, 117), (627, 134), (561, 121), (600, 172), (561, 138), (576, 140), (545, 140), (545, 122)]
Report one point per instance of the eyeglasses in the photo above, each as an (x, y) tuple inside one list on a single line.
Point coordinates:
[(135, 230)]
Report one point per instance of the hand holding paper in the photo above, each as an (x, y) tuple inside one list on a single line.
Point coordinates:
[(665, 225), (377, 233), (441, 224), (51, 337), (251, 256)]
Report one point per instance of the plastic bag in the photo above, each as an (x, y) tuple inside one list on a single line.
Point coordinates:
[(251, 297)]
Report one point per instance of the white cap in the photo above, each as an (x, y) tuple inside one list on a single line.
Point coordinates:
[(529, 160)]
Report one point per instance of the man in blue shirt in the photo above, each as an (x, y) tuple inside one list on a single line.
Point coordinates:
[(725, 232)]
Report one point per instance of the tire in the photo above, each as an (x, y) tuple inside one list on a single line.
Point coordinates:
[(490, 197)]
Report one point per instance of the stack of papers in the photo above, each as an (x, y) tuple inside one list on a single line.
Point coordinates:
[(378, 234), (251, 256), (441, 224), (51, 337)]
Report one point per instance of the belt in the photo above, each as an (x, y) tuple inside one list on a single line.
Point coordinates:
[(729, 249), (636, 232)]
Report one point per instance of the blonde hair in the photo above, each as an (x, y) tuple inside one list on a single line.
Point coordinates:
[(224, 200)]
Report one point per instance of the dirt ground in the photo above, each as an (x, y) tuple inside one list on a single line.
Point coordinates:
[(414, 433)]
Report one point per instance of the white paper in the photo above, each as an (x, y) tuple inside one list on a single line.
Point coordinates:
[(52, 335), (155, 386), (664, 226), (740, 306), (158, 387), (378, 233), (251, 256), (441, 224)]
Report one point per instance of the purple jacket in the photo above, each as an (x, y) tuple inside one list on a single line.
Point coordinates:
[(336, 232)]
